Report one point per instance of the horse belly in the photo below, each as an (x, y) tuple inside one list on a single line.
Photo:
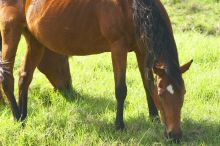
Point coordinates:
[(67, 27)]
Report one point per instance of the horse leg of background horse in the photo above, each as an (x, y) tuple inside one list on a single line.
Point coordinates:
[(56, 68), (148, 84), (33, 57), (10, 32), (119, 60)]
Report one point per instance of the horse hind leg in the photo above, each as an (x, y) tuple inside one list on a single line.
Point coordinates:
[(33, 57), (119, 60), (148, 85)]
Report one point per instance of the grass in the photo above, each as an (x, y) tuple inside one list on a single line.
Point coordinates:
[(89, 118)]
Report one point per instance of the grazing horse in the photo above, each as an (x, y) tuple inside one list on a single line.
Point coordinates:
[(73, 27), (58, 75), (10, 23)]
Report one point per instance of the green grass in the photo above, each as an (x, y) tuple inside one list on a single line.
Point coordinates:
[(89, 119)]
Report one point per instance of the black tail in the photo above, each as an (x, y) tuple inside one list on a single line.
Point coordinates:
[(154, 32)]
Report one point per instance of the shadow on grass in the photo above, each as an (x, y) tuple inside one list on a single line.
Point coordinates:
[(92, 104), (92, 113), (139, 130), (203, 132)]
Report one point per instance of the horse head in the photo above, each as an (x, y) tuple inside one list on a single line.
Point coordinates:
[(169, 100)]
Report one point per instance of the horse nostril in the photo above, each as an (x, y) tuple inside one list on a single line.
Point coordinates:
[(174, 137)]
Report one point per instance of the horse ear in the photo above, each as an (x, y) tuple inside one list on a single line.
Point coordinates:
[(159, 71), (186, 66)]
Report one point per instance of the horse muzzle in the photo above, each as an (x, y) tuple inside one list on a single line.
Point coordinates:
[(173, 136)]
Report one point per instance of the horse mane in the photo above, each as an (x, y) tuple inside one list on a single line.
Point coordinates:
[(154, 32)]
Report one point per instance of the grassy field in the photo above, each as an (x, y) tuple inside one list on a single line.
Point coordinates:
[(89, 119)]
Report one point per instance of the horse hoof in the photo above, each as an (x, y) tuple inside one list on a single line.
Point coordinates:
[(23, 124), (16, 117), (23, 117), (155, 119), (174, 138), (119, 126)]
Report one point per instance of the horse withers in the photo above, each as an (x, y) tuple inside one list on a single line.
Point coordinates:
[(72, 27)]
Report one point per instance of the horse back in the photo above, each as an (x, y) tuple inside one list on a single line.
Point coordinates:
[(74, 26)]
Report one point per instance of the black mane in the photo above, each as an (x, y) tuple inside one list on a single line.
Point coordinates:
[(154, 32)]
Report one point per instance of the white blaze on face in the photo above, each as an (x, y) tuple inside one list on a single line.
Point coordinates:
[(170, 89)]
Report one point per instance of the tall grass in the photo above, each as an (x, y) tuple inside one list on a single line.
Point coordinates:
[(87, 118)]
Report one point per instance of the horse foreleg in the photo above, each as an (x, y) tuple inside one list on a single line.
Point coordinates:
[(33, 56), (10, 32), (119, 60), (149, 86)]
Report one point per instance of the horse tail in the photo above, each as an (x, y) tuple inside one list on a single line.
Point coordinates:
[(155, 34)]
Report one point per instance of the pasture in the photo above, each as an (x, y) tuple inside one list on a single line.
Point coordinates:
[(87, 116)]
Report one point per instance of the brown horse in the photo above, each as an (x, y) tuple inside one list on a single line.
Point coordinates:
[(72, 27), (58, 75)]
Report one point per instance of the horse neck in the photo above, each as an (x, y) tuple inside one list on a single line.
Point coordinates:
[(153, 27), (166, 46)]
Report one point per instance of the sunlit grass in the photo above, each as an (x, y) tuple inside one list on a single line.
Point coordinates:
[(88, 119)]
